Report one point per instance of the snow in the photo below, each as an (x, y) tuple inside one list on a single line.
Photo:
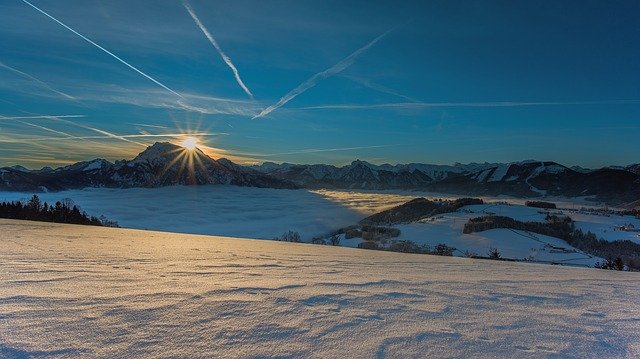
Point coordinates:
[(605, 226), (93, 165), (483, 175), (70, 291), (535, 173), (268, 213), (512, 244), (499, 173)]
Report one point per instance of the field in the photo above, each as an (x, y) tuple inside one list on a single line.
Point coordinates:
[(71, 291)]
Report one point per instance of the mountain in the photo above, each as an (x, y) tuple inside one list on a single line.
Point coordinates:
[(162, 164), (165, 164), (635, 168), (522, 179)]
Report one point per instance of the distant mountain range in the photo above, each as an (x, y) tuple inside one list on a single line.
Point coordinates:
[(165, 164), (615, 185)]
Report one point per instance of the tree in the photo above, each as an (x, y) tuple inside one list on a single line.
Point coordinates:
[(290, 236), (494, 253)]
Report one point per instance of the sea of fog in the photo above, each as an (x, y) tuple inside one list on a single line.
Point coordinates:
[(231, 210), (225, 210)]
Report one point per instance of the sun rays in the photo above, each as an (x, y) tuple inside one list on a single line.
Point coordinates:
[(187, 162), (189, 143)]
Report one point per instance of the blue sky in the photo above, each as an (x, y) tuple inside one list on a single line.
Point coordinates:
[(424, 81)]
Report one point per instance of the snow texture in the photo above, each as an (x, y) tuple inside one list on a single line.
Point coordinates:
[(499, 173), (70, 291)]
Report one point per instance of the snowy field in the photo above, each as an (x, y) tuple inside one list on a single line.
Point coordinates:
[(71, 291), (512, 244)]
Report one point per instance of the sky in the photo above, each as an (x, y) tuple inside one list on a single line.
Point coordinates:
[(321, 81)]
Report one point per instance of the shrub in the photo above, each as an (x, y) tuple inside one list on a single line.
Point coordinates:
[(352, 233), (443, 250), (540, 204), (493, 253), (290, 236), (407, 247), (374, 233), (368, 245), (334, 240)]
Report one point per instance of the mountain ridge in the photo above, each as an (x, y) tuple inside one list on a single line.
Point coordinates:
[(166, 164), (161, 164)]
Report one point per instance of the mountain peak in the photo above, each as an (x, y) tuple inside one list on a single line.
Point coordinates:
[(157, 150)]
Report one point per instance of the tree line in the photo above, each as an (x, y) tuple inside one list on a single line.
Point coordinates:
[(64, 211)]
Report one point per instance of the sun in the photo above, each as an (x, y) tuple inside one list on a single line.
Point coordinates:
[(190, 143)]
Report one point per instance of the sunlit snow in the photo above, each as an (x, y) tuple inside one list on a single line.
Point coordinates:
[(72, 291)]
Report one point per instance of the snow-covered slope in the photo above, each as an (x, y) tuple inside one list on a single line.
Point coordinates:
[(68, 291)]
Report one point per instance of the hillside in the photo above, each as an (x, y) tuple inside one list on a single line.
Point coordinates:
[(100, 292)]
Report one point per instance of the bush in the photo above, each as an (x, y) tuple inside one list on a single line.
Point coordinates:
[(368, 245), (290, 236), (443, 250), (318, 240), (540, 204), (470, 254), (334, 240), (352, 233), (374, 233), (407, 247), (615, 264)]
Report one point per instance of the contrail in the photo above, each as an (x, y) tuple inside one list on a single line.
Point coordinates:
[(42, 116), (215, 44), (379, 88), (46, 129), (103, 49), (102, 132), (340, 66), (72, 137), (147, 125), (42, 83), (316, 150), (419, 105)]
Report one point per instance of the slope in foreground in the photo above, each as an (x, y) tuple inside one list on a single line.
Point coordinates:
[(68, 291)]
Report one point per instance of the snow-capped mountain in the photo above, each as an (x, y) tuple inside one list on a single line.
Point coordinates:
[(162, 164), (165, 164), (525, 179)]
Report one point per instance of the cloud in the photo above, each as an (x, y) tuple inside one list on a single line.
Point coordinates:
[(313, 80), (318, 150), (215, 44), (40, 82), (156, 98), (103, 49)]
